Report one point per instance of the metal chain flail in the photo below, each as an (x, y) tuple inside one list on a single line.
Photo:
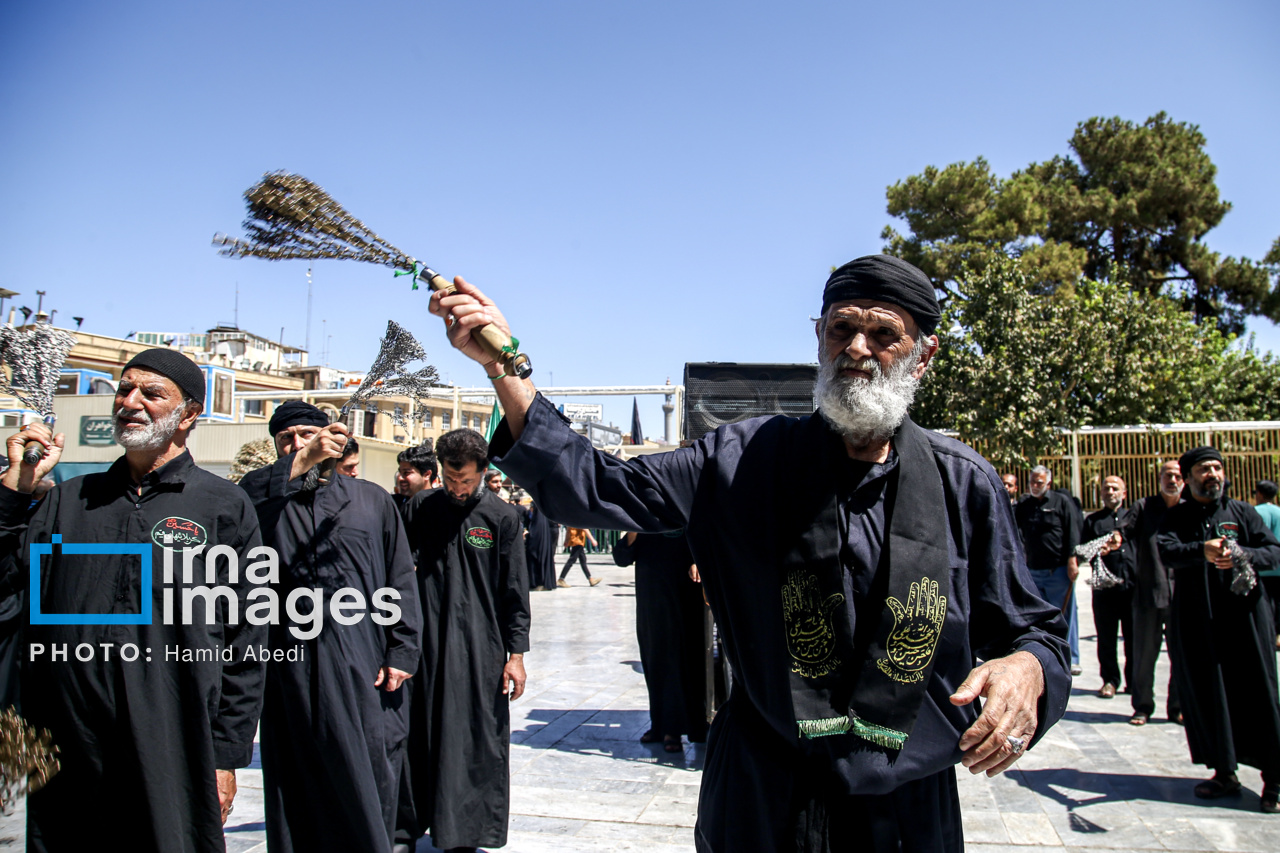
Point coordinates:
[(291, 217), (35, 358)]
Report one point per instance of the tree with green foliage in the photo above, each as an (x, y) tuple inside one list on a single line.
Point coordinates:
[(1016, 364), (1132, 205)]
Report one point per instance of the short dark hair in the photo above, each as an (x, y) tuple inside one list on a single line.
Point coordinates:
[(351, 448), (461, 446), (1268, 489), (421, 457)]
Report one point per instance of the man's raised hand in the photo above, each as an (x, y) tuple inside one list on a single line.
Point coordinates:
[(21, 477), (328, 443), (464, 310)]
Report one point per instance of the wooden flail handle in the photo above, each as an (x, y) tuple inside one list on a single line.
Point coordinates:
[(495, 344), (34, 451), (328, 469)]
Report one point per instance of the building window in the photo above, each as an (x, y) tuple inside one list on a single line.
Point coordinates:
[(253, 407), (222, 388), (426, 418), (444, 420), (370, 421)]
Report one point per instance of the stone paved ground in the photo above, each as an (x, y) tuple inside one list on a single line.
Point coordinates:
[(580, 780)]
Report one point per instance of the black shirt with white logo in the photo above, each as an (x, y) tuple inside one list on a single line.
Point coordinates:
[(139, 739)]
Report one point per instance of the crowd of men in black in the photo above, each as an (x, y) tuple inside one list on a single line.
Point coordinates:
[(377, 639), (867, 577), (1153, 581)]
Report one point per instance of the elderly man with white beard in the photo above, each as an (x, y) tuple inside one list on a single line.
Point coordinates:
[(153, 721), (859, 569)]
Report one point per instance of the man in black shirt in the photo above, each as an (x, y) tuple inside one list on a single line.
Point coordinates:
[(417, 470), (1153, 591), (1049, 523), (1011, 486), (467, 545), (336, 719), (152, 726), (1113, 606)]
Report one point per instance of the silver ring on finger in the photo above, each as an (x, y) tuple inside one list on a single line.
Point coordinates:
[(1016, 744)]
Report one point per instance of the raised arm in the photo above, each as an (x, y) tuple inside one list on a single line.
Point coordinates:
[(570, 480), (465, 310)]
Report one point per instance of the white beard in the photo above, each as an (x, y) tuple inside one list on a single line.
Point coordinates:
[(154, 436), (867, 410)]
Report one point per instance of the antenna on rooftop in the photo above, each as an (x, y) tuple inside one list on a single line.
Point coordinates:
[(308, 344)]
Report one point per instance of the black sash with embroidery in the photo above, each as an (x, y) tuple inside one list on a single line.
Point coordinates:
[(869, 682)]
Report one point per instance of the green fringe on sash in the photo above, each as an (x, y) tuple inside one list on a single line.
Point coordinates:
[(880, 735)]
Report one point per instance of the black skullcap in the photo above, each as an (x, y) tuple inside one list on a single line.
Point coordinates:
[(176, 366), (294, 412), (886, 279), (1189, 459)]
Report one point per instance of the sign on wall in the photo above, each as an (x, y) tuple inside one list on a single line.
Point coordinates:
[(96, 431)]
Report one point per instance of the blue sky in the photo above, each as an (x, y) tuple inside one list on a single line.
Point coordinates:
[(637, 185)]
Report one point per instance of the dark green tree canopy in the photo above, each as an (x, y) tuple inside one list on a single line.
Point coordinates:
[(1132, 204), (1016, 364)]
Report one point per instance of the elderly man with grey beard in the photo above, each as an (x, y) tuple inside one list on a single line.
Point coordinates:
[(865, 574), (153, 724)]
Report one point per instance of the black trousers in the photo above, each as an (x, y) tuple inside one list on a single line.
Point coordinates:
[(1148, 636), (1112, 612), (576, 552)]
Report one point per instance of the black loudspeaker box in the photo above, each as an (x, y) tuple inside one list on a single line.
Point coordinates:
[(725, 392)]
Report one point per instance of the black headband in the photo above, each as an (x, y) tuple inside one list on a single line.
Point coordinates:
[(1189, 459), (886, 279), (293, 413)]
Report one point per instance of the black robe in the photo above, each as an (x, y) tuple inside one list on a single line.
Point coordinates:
[(540, 548), (728, 493), (475, 601), (333, 745), (139, 741), (670, 620), (1222, 645)]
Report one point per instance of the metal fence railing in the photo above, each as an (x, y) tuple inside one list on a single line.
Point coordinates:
[(1250, 450)]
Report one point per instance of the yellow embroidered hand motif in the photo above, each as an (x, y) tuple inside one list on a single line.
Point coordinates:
[(811, 637), (915, 633)]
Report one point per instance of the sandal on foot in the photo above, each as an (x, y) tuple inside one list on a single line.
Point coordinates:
[(1270, 800), (671, 744), (650, 737), (1212, 789)]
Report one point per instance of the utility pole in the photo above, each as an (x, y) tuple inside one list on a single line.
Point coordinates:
[(308, 343)]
